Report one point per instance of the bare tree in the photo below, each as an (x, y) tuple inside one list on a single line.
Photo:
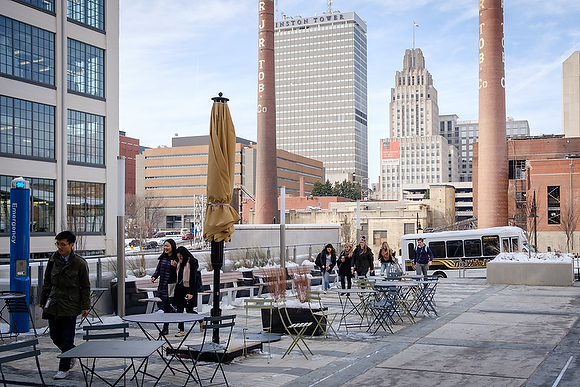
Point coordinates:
[(142, 216)]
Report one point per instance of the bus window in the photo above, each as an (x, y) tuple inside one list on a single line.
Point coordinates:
[(505, 243), (454, 249), (490, 245), (515, 245), (438, 249), (472, 248), (411, 248)]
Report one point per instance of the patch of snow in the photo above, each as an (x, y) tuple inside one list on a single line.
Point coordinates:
[(535, 257)]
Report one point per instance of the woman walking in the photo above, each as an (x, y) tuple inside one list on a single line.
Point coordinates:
[(186, 287), (385, 258), (344, 271), (362, 259), (165, 271), (326, 260)]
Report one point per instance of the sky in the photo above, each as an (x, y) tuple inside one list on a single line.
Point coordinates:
[(175, 55)]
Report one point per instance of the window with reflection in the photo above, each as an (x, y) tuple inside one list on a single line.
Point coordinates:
[(472, 247), (86, 138), (26, 52), (47, 5), (438, 249), (455, 249), (89, 12), (86, 207), (490, 245), (27, 128), (42, 204), (85, 69)]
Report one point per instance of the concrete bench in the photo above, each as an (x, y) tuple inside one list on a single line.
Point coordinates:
[(230, 284)]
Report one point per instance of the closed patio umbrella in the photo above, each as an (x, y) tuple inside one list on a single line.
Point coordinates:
[(220, 217)]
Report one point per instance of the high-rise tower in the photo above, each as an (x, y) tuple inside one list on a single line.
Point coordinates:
[(414, 154), (571, 95), (321, 91)]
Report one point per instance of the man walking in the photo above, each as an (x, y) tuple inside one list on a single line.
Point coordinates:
[(423, 257), (65, 295)]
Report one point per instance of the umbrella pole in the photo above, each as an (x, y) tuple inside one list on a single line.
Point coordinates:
[(217, 260)]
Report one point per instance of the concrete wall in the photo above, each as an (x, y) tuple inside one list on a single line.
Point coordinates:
[(530, 273)]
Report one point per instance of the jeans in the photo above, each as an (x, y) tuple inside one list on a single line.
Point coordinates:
[(325, 280), (421, 268), (62, 333), (385, 267)]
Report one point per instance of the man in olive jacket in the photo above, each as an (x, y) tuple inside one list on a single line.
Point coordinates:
[(65, 295)]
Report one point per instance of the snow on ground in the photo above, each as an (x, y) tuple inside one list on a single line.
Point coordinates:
[(535, 257)]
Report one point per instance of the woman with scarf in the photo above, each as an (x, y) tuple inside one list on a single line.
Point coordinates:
[(165, 271), (186, 287)]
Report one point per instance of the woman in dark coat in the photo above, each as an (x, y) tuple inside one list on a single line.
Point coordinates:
[(326, 260), (186, 287), (362, 259), (344, 261), (165, 271)]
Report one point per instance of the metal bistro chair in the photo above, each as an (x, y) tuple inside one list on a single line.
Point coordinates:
[(15, 302), (324, 318), (19, 350), (207, 347), (296, 331), (260, 304)]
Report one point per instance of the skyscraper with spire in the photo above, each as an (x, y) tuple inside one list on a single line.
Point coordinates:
[(414, 154)]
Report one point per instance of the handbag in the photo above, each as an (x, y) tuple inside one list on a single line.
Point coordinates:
[(170, 290)]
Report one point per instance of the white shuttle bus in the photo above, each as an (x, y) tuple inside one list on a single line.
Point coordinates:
[(456, 251)]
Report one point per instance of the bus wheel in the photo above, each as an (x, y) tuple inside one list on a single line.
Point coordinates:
[(440, 274)]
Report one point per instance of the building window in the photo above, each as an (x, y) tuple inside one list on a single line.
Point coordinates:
[(379, 236), (86, 138), (47, 5), (86, 207), (554, 204), (42, 204), (517, 169), (26, 52), (27, 128), (408, 228), (89, 12), (86, 69)]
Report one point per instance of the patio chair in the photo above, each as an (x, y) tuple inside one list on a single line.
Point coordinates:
[(383, 311), (15, 302), (209, 348), (259, 304), (295, 331), (95, 332), (17, 351), (324, 318)]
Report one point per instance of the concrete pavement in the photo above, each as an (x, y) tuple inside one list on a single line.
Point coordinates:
[(485, 335)]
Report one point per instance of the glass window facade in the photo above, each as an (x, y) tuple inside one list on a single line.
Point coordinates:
[(27, 128), (47, 5), (88, 12), (42, 205), (26, 52), (85, 69), (86, 138), (86, 207)]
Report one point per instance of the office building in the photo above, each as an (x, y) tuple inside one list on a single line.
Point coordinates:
[(414, 153), (173, 180), (129, 148), (571, 95), (321, 92), (462, 134), (59, 119)]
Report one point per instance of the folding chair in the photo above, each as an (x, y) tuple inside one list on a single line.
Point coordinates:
[(294, 330), (15, 302), (93, 332), (225, 323), (17, 351), (324, 318), (425, 299), (383, 311), (260, 304)]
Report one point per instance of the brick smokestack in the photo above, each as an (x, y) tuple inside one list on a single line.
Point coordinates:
[(266, 171), (492, 182)]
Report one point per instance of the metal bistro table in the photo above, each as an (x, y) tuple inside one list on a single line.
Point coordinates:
[(158, 319), (96, 294), (100, 349), (353, 303)]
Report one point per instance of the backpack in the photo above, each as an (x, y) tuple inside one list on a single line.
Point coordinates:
[(198, 281)]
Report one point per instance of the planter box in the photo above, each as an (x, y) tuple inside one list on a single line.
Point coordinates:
[(530, 273), (297, 315), (132, 304)]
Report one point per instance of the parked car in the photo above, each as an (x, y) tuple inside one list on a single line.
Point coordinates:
[(147, 245), (187, 236), (159, 234)]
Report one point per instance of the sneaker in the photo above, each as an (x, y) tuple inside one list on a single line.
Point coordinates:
[(73, 362), (324, 292), (201, 323), (180, 334), (60, 375)]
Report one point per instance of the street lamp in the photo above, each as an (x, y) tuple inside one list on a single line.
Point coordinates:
[(419, 228)]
